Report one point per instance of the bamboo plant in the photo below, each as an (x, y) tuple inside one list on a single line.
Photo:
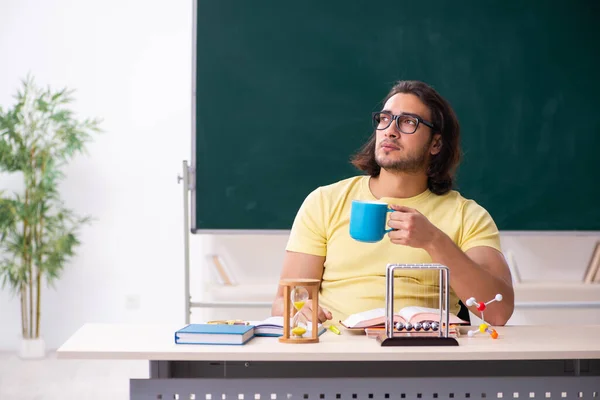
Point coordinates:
[(39, 135)]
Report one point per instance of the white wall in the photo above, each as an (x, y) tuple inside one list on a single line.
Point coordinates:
[(550, 265), (130, 62)]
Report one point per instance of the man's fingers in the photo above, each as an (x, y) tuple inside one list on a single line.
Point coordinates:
[(398, 235), (307, 312), (396, 224), (402, 216), (323, 314), (399, 227), (396, 207)]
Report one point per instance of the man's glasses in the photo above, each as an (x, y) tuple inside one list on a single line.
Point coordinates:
[(406, 123)]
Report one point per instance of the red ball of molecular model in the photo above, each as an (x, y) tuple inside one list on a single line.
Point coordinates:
[(481, 306)]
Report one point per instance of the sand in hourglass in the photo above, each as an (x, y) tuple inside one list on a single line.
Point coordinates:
[(296, 328), (298, 296)]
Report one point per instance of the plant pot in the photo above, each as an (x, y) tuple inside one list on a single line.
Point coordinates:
[(32, 348)]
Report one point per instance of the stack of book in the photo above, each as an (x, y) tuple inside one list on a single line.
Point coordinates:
[(273, 326), (214, 334), (234, 332)]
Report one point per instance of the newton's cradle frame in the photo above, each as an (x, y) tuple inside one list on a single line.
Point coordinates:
[(404, 339)]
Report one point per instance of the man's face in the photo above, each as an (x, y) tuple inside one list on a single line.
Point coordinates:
[(396, 151)]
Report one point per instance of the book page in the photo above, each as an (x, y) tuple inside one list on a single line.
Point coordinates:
[(277, 322), (357, 318), (271, 321), (417, 314), (368, 318)]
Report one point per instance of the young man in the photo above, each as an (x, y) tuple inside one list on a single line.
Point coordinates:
[(409, 163)]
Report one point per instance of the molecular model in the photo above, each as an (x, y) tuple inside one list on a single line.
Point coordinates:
[(481, 306)]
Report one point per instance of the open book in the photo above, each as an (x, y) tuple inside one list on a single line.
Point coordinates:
[(273, 326), (412, 314)]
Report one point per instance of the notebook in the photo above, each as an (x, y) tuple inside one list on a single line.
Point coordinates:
[(412, 314), (214, 334), (273, 326)]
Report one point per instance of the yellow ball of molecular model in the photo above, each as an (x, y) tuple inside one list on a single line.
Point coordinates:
[(483, 327)]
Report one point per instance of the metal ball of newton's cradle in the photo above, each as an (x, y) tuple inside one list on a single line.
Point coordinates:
[(408, 326), (434, 326)]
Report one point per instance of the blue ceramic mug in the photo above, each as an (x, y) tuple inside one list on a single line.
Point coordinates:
[(367, 220)]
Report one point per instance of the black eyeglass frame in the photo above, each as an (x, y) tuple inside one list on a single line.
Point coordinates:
[(395, 118)]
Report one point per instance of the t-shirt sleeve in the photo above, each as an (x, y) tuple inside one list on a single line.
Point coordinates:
[(479, 229), (308, 233)]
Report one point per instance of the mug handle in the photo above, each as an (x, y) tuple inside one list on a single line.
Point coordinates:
[(389, 229)]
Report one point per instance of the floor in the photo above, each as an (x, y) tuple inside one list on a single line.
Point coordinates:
[(51, 378)]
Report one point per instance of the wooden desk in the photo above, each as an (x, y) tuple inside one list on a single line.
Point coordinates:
[(351, 366)]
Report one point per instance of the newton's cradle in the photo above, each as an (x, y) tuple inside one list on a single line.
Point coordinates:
[(442, 325)]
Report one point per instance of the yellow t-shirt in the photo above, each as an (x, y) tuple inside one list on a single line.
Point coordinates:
[(354, 272)]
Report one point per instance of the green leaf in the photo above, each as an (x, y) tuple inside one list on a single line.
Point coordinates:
[(39, 136)]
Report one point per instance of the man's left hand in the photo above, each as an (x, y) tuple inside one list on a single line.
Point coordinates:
[(411, 228)]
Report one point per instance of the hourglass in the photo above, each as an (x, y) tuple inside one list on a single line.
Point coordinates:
[(296, 293)]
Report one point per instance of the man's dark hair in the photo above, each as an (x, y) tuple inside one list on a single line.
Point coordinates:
[(441, 168)]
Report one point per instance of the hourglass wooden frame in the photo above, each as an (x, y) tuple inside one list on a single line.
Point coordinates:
[(312, 287)]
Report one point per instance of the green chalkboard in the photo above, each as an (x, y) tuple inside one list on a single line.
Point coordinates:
[(284, 92)]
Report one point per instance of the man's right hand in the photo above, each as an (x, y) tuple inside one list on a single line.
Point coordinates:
[(323, 314)]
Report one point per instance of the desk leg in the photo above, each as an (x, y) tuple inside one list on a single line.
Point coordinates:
[(160, 369)]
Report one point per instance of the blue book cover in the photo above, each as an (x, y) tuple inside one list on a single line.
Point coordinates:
[(214, 334)]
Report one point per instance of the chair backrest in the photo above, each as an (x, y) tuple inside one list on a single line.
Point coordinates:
[(463, 313)]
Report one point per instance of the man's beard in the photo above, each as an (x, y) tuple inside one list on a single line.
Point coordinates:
[(411, 164)]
